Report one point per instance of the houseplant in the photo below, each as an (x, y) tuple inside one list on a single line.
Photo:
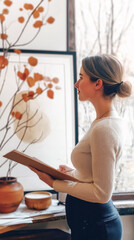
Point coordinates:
[(16, 117)]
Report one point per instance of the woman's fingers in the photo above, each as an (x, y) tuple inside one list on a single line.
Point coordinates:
[(33, 169)]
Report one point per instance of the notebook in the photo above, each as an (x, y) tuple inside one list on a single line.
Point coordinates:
[(27, 160)]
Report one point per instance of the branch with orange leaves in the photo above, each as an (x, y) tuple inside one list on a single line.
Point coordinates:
[(38, 24), (13, 165), (13, 45), (4, 142)]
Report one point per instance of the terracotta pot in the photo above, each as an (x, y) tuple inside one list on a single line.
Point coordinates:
[(11, 194), (38, 200)]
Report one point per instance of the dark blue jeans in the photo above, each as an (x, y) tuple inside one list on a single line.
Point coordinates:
[(93, 221)]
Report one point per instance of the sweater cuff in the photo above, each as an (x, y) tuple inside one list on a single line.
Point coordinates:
[(62, 186)]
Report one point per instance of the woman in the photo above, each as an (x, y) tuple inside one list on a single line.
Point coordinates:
[(91, 214)]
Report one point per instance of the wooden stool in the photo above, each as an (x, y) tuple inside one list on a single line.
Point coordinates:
[(37, 234)]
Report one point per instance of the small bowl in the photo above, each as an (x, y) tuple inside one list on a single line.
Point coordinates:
[(38, 200)]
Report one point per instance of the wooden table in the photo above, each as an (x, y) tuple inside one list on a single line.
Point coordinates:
[(17, 232), (124, 208), (36, 219)]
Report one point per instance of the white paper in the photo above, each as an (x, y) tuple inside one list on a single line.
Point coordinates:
[(10, 222), (26, 215)]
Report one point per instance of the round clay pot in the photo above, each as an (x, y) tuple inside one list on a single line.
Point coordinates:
[(38, 200), (11, 194)]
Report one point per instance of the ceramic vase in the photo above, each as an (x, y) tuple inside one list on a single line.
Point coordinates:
[(11, 194)]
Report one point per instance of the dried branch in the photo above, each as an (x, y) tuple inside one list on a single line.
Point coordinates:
[(29, 126), (16, 131), (122, 34), (24, 44), (112, 25), (11, 99), (99, 29), (8, 108), (13, 45), (32, 142), (3, 81), (94, 22), (5, 161)]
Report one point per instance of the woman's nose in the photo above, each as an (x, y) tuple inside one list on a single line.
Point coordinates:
[(76, 84)]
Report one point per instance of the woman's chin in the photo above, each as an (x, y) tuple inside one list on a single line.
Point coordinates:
[(81, 99)]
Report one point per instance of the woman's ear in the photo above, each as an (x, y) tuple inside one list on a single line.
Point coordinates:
[(99, 84)]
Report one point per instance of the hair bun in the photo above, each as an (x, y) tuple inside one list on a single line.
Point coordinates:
[(125, 89)]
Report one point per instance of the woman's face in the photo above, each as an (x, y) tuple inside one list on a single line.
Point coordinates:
[(85, 86)]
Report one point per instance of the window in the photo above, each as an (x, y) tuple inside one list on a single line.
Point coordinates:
[(106, 26)]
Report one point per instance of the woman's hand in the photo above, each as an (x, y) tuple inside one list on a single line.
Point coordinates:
[(43, 176), (65, 169)]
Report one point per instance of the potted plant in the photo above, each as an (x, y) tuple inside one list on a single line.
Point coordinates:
[(16, 117)]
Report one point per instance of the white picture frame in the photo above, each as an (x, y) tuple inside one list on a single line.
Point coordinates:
[(50, 37)]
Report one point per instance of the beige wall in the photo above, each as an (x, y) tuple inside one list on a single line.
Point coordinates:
[(128, 227)]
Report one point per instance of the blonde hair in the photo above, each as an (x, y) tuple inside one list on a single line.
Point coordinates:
[(110, 70)]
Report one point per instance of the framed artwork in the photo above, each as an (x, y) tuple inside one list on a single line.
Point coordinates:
[(38, 113), (46, 28)]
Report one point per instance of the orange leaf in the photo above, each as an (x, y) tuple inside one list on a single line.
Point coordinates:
[(38, 24), (25, 97), (5, 11), (3, 62), (39, 90), (18, 115), (2, 59), (38, 77), (47, 79), (18, 51), (30, 81), (0, 103), (21, 9), (50, 20), (30, 94), (21, 19), (3, 36), (8, 3), (55, 80), (50, 93), (23, 75), (50, 85), (41, 9), (36, 14), (2, 18), (26, 71), (28, 6), (32, 61)]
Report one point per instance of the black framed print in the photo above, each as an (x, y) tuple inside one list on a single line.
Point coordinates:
[(38, 111)]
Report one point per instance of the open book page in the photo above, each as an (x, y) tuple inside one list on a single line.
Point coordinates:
[(35, 163)]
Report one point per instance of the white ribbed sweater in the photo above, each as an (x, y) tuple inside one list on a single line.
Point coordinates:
[(95, 160)]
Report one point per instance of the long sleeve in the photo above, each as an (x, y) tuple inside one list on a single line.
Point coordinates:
[(105, 145)]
